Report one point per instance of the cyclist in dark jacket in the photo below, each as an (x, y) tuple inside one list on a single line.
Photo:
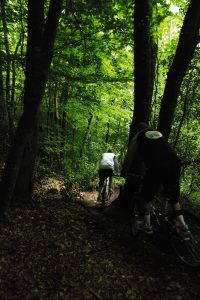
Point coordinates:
[(151, 157)]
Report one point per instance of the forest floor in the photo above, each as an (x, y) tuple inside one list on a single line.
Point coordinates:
[(61, 249)]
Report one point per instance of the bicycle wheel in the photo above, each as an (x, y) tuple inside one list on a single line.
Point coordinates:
[(188, 251)]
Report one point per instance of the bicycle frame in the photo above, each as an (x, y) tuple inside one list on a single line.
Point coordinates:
[(164, 223)]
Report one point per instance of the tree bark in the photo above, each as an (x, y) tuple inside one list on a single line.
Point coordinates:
[(87, 134), (24, 184), (189, 37), (145, 51), (8, 68), (39, 54), (13, 82), (3, 115), (143, 63), (65, 99)]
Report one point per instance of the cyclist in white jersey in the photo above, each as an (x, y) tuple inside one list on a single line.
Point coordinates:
[(108, 166)]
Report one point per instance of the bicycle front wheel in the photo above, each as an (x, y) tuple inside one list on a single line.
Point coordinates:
[(188, 250)]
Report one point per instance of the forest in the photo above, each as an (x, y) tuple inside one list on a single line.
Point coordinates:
[(76, 77)]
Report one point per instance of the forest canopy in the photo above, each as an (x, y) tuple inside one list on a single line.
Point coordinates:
[(70, 79)]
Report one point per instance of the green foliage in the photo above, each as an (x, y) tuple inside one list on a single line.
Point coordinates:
[(91, 80), (99, 73), (83, 172)]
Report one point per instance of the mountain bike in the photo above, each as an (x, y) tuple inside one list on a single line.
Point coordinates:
[(165, 224)]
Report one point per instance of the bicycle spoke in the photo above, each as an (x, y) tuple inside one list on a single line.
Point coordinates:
[(188, 250)]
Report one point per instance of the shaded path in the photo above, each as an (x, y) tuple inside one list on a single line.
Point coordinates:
[(91, 197), (58, 250)]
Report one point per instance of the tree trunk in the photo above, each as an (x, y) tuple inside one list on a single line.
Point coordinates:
[(8, 67), (117, 133), (144, 54), (87, 134), (24, 184), (55, 103), (64, 98), (13, 83), (145, 51), (39, 54), (3, 115), (63, 120), (189, 37)]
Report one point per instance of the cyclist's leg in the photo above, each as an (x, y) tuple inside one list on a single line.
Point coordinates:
[(131, 189), (101, 182), (172, 191), (108, 174), (151, 184), (171, 183)]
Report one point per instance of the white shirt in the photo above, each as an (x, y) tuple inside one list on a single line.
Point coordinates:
[(107, 161)]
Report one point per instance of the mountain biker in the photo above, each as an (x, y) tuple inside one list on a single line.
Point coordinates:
[(154, 160), (108, 166)]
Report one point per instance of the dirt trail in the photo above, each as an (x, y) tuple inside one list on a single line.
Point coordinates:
[(91, 197), (59, 250), (159, 273)]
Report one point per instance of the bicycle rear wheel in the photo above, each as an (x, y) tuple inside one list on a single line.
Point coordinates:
[(188, 251)]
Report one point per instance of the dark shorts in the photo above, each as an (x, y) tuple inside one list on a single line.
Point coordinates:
[(103, 173), (165, 174)]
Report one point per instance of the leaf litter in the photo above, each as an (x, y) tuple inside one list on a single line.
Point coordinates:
[(57, 249)]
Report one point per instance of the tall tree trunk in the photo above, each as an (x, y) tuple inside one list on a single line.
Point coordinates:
[(55, 103), (39, 55), (189, 37), (64, 98), (3, 115), (144, 56), (13, 85), (117, 133), (145, 51), (24, 184), (8, 67), (63, 120), (87, 134)]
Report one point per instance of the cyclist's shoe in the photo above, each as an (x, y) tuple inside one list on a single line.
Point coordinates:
[(184, 233), (146, 228)]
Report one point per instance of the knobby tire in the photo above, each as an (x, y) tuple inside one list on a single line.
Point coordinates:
[(188, 251)]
